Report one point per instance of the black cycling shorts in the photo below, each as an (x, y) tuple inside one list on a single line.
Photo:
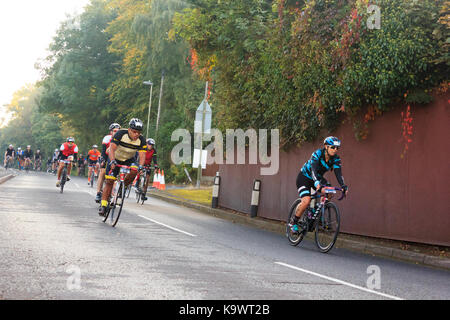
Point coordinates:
[(304, 185), (92, 162)]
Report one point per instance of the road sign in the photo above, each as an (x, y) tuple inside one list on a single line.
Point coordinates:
[(203, 117)]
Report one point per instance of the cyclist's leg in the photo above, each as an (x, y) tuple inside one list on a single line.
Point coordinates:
[(110, 178), (147, 180), (89, 173), (304, 185)]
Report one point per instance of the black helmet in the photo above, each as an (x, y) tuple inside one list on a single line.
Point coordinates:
[(136, 124), (114, 126), (70, 139)]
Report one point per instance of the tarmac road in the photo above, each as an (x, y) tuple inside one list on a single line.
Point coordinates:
[(55, 246)]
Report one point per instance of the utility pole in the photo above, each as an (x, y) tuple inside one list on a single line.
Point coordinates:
[(149, 83)]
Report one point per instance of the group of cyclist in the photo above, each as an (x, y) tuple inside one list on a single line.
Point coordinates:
[(128, 147), (26, 159), (119, 147)]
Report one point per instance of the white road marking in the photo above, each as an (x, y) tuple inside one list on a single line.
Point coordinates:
[(338, 281), (167, 226)]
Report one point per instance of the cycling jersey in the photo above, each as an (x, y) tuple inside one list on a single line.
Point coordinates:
[(93, 155), (28, 154), (316, 167), (55, 156), (37, 156), (105, 145), (126, 148), (10, 152), (149, 155), (67, 151)]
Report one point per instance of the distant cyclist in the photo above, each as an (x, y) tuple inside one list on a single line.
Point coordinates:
[(27, 156), (37, 160), (113, 128), (311, 174), (20, 157), (150, 156), (68, 150), (10, 154), (81, 165), (92, 159), (121, 151), (55, 160)]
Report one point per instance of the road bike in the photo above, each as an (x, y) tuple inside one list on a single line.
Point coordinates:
[(9, 162), (117, 198), (323, 218), (140, 182), (37, 165), (28, 164), (92, 175), (64, 173)]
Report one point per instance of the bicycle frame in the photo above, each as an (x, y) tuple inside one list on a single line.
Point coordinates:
[(124, 170)]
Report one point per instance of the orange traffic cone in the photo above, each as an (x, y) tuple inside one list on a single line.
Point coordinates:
[(156, 182), (155, 179), (162, 185)]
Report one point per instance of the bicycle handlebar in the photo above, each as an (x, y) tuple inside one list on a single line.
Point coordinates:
[(330, 190)]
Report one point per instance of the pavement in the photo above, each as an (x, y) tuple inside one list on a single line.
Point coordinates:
[(421, 254)]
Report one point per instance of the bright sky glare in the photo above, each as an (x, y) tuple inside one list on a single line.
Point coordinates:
[(26, 29)]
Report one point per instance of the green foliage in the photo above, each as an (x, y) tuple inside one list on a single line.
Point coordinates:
[(75, 84), (303, 65), (29, 126), (299, 66), (176, 174)]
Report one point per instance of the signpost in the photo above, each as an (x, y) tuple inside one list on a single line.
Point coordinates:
[(202, 125)]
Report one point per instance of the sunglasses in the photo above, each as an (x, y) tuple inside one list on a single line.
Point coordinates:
[(334, 147)]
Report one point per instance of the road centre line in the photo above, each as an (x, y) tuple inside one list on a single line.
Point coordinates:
[(167, 226), (338, 281)]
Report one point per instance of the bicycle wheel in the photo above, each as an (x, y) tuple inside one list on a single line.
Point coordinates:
[(138, 195), (128, 191), (63, 179), (117, 205), (296, 237), (327, 227), (92, 178), (144, 181)]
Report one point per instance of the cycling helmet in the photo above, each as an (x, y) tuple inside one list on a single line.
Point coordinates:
[(10, 145), (114, 126), (19, 148), (136, 124), (28, 146), (151, 141), (332, 141), (56, 150), (94, 146), (70, 139)]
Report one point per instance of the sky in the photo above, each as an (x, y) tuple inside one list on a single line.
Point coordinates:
[(27, 28)]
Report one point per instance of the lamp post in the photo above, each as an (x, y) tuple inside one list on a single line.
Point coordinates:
[(159, 103), (149, 83)]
